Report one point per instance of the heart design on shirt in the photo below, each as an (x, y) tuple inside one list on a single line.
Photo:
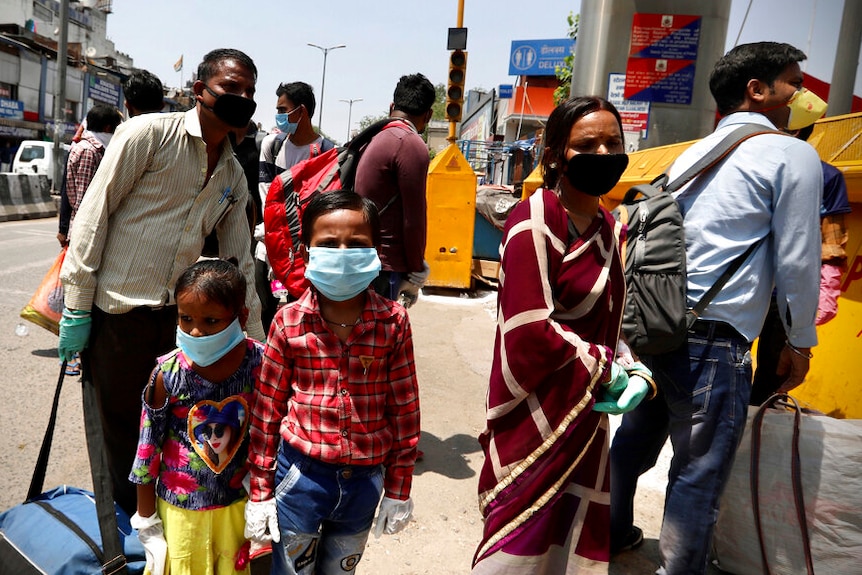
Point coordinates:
[(217, 429)]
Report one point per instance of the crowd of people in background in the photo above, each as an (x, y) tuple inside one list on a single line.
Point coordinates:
[(207, 368)]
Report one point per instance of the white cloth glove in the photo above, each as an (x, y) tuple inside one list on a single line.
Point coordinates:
[(261, 521), (152, 537), (392, 516), (408, 293), (420, 278)]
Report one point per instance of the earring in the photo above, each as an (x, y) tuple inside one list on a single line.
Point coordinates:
[(553, 165)]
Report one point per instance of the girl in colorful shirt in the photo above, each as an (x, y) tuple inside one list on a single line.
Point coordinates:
[(193, 446)]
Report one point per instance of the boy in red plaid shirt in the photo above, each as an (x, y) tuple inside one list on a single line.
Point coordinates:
[(335, 414)]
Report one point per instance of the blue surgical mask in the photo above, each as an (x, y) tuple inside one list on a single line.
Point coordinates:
[(208, 349), (340, 274), (284, 124)]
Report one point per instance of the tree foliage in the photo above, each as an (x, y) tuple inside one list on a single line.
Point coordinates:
[(439, 106), (564, 72)]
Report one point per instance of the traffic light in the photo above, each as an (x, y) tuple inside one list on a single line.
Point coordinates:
[(455, 90)]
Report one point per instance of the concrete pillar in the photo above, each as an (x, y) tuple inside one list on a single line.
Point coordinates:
[(846, 60), (602, 48)]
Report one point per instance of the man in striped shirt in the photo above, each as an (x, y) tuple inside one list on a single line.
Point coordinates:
[(164, 184)]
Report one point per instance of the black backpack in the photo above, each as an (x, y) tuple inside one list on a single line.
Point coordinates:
[(656, 317)]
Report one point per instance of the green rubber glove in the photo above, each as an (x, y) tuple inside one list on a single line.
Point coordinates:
[(619, 381), (636, 389), (74, 332)]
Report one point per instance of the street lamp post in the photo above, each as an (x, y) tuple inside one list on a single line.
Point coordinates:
[(60, 94), (350, 115), (323, 80)]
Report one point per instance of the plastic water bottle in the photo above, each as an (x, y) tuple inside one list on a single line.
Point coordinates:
[(21, 330)]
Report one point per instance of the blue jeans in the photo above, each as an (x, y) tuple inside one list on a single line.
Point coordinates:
[(702, 404), (325, 512)]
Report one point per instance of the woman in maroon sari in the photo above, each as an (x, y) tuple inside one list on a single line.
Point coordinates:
[(544, 486)]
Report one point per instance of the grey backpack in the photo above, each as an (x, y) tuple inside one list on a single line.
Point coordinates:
[(656, 316)]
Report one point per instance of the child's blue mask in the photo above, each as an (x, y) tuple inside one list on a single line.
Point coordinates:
[(208, 349), (340, 274)]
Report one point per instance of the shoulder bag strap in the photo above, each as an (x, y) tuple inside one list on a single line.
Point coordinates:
[(105, 510), (700, 306), (38, 480), (102, 488)]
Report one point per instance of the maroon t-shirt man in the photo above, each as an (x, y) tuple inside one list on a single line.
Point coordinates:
[(394, 168)]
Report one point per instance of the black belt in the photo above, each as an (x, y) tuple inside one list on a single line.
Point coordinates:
[(714, 329)]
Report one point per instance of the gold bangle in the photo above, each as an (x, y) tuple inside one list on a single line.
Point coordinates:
[(798, 351), (650, 382)]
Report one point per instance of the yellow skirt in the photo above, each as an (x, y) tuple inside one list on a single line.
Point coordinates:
[(204, 542)]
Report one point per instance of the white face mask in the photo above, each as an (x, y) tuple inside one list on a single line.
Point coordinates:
[(103, 137)]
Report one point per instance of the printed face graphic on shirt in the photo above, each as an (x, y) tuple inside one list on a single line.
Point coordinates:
[(216, 430)]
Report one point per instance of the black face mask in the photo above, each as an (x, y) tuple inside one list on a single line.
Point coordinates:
[(595, 174), (231, 109)]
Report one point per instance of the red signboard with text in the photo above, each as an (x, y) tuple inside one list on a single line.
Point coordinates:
[(662, 56)]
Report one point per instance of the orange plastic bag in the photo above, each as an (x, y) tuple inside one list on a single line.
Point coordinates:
[(46, 305)]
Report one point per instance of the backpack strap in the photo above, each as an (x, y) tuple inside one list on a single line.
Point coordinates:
[(719, 152), (316, 149), (277, 144)]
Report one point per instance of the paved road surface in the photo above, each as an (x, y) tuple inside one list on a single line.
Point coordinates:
[(453, 336)]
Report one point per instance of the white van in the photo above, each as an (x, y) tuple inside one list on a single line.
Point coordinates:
[(36, 157)]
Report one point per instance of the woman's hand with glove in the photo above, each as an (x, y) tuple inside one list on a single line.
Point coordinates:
[(625, 390)]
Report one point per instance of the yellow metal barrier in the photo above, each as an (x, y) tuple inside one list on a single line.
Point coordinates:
[(834, 383), (451, 197)]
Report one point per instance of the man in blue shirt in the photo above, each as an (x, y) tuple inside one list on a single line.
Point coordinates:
[(833, 265), (767, 191)]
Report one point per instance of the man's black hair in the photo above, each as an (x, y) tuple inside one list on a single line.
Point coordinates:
[(144, 91), (101, 117), (414, 95), (209, 66), (325, 202), (300, 93), (763, 61)]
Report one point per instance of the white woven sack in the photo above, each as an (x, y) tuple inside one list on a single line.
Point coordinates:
[(831, 468)]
